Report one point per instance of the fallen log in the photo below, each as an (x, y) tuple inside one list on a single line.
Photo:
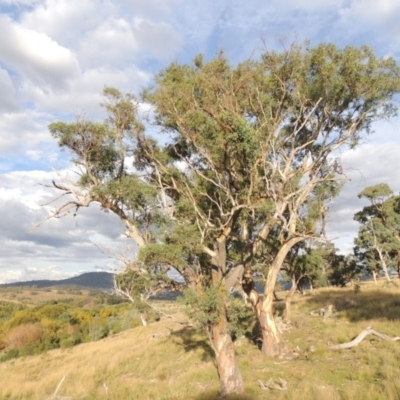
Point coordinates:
[(360, 337)]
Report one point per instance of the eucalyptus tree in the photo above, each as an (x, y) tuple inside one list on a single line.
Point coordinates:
[(344, 268), (100, 153), (248, 146), (244, 152), (378, 240)]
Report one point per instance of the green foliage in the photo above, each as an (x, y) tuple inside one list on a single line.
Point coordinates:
[(98, 328), (378, 242), (240, 318), (9, 355), (257, 139), (101, 151), (7, 308), (90, 143), (204, 307), (25, 331), (22, 317), (344, 269), (180, 246), (376, 194), (50, 311)]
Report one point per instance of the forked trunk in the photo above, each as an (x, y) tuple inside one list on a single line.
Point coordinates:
[(230, 378), (288, 300)]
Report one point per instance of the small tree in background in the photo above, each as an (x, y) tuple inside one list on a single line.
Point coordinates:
[(344, 269), (302, 266), (378, 242)]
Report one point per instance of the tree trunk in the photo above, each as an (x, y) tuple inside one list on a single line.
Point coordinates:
[(384, 266), (272, 340), (288, 300), (230, 378), (273, 344), (374, 276)]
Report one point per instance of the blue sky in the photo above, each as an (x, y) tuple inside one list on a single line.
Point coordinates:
[(57, 55)]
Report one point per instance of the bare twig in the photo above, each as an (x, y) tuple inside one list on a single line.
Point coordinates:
[(57, 388)]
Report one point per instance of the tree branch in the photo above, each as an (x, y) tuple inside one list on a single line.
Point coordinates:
[(360, 337)]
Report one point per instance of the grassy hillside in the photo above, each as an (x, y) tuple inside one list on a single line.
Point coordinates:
[(32, 296), (171, 360)]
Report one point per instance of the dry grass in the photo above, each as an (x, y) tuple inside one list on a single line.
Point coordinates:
[(23, 335), (167, 360), (32, 296)]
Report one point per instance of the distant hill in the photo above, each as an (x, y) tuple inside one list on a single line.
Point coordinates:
[(90, 280)]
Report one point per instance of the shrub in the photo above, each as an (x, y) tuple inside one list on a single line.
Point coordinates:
[(51, 311), (98, 329), (13, 353), (68, 342), (21, 317)]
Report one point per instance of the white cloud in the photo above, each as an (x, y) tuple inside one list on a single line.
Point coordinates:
[(21, 196), (25, 187), (152, 8), (378, 22), (7, 92), (311, 5), (116, 42), (35, 56), (66, 21), (111, 44), (29, 273), (34, 155), (27, 128), (65, 243), (18, 3), (367, 165), (371, 11), (198, 19), (84, 94), (158, 39)]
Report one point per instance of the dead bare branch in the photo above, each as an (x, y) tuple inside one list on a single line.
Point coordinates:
[(360, 337)]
